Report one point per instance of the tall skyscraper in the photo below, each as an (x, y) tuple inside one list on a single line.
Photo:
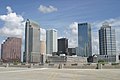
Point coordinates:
[(51, 41), (84, 40), (11, 49), (107, 42), (32, 42), (63, 45)]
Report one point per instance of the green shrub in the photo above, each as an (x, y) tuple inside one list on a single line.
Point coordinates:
[(15, 62), (47, 61), (102, 62), (115, 64)]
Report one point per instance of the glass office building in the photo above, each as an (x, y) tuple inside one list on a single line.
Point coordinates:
[(63, 45), (107, 42), (84, 40)]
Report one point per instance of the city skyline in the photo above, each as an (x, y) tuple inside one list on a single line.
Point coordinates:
[(63, 16)]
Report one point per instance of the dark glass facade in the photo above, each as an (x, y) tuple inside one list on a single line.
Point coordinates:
[(72, 51), (84, 40), (63, 45)]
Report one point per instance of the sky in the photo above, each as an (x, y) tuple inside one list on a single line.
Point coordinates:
[(62, 15)]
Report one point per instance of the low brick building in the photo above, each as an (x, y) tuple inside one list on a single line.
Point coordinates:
[(11, 49)]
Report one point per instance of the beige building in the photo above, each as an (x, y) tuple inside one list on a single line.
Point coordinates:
[(42, 47)]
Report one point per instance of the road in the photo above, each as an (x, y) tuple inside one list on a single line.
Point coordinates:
[(58, 74)]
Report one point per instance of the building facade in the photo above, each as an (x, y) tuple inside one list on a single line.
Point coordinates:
[(105, 58), (51, 41), (84, 40), (32, 42), (11, 49), (42, 47), (63, 46), (72, 51), (107, 42)]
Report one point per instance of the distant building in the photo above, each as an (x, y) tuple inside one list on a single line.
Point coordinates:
[(63, 46), (56, 59), (76, 59), (72, 51), (51, 41), (107, 42), (66, 59), (32, 42), (105, 58), (11, 49), (42, 47), (84, 40), (93, 59)]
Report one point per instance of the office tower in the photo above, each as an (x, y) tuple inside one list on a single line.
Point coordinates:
[(84, 40), (11, 49), (32, 42), (107, 42), (63, 46), (51, 41), (42, 47)]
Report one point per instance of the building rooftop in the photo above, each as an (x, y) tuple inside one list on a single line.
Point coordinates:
[(52, 30), (35, 24), (105, 25)]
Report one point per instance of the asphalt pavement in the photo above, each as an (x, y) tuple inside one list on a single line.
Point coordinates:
[(58, 74)]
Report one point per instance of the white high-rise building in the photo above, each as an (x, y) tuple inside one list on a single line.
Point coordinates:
[(107, 41), (51, 41)]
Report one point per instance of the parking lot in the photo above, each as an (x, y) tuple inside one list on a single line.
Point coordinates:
[(58, 74)]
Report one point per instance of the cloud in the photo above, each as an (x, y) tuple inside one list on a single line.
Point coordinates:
[(47, 9), (13, 24), (74, 28), (9, 9), (72, 34), (95, 42), (43, 34)]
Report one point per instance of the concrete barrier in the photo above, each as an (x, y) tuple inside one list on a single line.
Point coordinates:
[(99, 66)]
